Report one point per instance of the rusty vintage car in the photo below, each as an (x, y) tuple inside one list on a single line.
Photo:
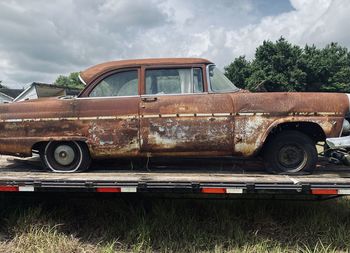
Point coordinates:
[(171, 107)]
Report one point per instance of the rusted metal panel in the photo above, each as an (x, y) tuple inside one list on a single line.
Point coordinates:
[(115, 131), (109, 126), (258, 113), (187, 123), (283, 103), (252, 131), (22, 146)]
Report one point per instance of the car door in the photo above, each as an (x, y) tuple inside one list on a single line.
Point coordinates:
[(110, 115), (177, 116)]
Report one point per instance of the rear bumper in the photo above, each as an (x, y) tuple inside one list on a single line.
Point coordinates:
[(339, 142)]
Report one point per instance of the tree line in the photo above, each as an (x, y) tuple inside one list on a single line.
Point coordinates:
[(282, 66)]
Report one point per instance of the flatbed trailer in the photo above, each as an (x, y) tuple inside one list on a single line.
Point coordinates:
[(187, 177)]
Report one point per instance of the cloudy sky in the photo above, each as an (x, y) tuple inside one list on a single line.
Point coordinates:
[(41, 39)]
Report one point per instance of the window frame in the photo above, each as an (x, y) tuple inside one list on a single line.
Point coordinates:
[(86, 93), (160, 67)]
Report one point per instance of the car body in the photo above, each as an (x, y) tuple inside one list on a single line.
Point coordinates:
[(164, 107)]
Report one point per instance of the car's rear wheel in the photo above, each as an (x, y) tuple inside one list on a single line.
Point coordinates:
[(65, 156), (290, 152)]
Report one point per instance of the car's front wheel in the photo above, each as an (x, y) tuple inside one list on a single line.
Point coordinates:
[(290, 152), (65, 156)]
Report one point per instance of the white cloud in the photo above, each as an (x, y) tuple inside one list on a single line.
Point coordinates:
[(294, 25), (333, 25), (41, 39)]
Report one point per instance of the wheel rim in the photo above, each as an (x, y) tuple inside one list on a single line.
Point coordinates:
[(292, 158), (64, 155)]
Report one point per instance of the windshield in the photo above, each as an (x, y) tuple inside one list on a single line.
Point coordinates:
[(219, 82)]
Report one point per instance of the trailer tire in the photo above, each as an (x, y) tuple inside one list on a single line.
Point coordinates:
[(290, 152), (65, 156)]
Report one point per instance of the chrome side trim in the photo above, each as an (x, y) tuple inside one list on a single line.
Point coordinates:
[(173, 94), (169, 115), (110, 97)]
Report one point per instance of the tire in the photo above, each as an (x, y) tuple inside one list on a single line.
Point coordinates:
[(65, 156), (290, 152)]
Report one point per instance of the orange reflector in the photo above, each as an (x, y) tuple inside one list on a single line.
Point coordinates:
[(214, 190), (8, 189), (324, 191), (108, 189)]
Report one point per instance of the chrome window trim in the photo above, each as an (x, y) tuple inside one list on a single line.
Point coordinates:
[(173, 94), (82, 80), (108, 97), (144, 95)]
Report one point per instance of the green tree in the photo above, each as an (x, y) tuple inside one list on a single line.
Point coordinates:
[(239, 71), (281, 66), (70, 81), (276, 64), (328, 68)]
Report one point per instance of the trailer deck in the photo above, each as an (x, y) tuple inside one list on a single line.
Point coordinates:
[(191, 176)]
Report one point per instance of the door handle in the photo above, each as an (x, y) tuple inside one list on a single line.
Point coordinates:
[(149, 99)]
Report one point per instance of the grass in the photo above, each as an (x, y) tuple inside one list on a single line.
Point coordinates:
[(66, 223)]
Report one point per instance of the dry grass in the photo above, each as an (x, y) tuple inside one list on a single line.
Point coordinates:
[(64, 223)]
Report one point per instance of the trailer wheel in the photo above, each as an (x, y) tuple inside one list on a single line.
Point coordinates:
[(291, 152), (65, 156)]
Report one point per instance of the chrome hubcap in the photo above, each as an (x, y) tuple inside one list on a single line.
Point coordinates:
[(64, 155)]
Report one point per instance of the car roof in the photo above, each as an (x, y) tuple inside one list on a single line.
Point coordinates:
[(93, 72)]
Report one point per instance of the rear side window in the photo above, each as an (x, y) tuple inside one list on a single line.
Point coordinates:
[(118, 85), (174, 81)]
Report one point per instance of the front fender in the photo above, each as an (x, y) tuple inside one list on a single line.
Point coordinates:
[(252, 132)]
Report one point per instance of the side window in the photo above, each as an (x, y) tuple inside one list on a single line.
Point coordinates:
[(119, 84), (174, 81)]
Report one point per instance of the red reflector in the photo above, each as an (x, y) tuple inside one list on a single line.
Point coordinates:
[(214, 190), (324, 191), (8, 189), (108, 189)]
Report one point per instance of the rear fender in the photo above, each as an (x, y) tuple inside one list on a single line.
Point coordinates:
[(23, 147)]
